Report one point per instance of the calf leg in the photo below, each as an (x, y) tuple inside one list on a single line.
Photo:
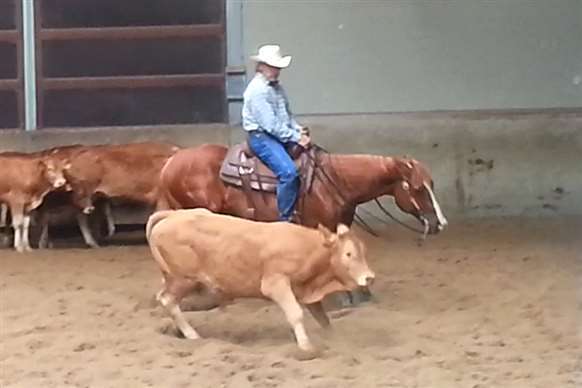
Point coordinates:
[(169, 297), (317, 311), (278, 289), (83, 220)]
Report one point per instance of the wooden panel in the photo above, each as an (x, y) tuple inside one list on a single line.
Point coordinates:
[(147, 106), (7, 14), (110, 13), (8, 84), (8, 109), (135, 82), (131, 57), (8, 61), (8, 36), (130, 62), (149, 32)]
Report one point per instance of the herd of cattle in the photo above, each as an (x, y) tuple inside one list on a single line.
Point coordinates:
[(78, 177)]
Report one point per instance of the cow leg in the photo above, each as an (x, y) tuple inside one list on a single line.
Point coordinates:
[(109, 218), (4, 237), (3, 215), (83, 220), (26, 232), (17, 224), (317, 311), (43, 220), (279, 290), (173, 307)]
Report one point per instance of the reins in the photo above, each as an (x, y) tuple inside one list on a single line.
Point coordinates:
[(357, 217)]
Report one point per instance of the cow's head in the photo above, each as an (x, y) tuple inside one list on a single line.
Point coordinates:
[(348, 258), (55, 171)]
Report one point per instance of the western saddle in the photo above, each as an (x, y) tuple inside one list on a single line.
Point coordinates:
[(242, 168)]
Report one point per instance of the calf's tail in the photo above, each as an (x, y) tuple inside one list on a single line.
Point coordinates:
[(153, 220)]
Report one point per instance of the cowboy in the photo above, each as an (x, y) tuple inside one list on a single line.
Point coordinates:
[(271, 127)]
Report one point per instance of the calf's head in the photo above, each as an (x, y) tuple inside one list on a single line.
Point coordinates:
[(348, 257)]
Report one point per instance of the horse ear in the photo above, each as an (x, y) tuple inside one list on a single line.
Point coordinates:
[(342, 230)]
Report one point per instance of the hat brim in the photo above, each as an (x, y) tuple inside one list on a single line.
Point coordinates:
[(279, 63)]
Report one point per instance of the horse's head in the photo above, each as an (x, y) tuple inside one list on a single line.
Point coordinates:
[(414, 194)]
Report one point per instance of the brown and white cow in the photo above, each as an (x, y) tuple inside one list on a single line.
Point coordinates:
[(25, 179), (234, 258), (127, 172)]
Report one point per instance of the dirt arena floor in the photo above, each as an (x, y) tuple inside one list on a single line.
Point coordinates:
[(490, 303)]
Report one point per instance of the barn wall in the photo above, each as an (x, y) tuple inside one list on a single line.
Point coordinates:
[(483, 163), (406, 55)]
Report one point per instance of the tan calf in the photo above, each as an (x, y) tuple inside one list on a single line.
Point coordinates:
[(236, 258)]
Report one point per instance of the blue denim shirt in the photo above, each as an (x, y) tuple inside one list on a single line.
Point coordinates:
[(266, 108)]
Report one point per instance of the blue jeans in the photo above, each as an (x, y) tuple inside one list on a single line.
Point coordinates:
[(275, 156)]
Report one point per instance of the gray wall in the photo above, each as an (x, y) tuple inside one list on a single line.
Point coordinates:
[(483, 164), (417, 55)]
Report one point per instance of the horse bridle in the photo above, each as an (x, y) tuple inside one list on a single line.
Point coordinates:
[(359, 218)]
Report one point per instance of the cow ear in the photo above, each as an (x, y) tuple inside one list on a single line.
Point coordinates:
[(342, 230), (329, 237)]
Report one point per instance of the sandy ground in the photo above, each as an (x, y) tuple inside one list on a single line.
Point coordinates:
[(486, 304)]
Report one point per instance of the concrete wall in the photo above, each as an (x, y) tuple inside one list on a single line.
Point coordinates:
[(483, 163), (396, 55)]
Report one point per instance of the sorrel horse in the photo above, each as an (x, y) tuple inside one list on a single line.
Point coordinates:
[(190, 178)]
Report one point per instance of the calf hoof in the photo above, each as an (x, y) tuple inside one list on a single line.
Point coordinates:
[(190, 334), (307, 354), (354, 298)]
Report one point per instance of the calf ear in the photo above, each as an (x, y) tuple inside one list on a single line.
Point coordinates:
[(329, 237), (342, 230)]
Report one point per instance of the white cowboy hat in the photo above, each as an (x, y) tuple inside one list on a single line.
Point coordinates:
[(271, 55)]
